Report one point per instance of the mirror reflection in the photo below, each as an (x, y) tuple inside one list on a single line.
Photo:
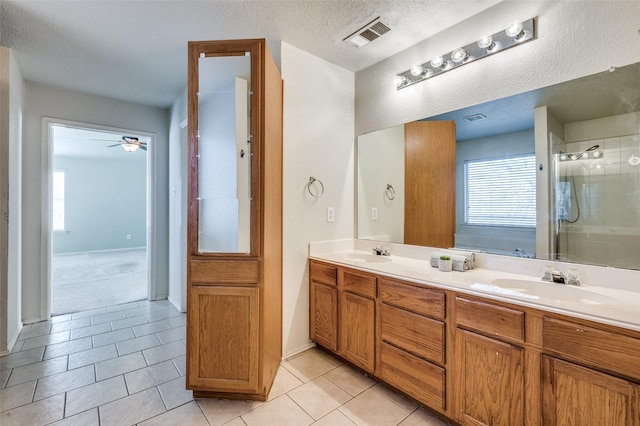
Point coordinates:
[(552, 173), (224, 154)]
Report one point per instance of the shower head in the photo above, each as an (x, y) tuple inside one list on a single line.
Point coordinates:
[(592, 148)]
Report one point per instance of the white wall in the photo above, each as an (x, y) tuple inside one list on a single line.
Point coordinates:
[(319, 142), (178, 203), (11, 178), (575, 39), (45, 101)]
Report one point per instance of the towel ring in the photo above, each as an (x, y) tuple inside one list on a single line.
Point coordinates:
[(390, 193), (312, 180)]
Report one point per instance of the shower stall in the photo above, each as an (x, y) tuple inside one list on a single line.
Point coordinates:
[(595, 200)]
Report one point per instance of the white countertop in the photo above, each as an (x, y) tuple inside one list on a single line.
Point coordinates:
[(603, 304)]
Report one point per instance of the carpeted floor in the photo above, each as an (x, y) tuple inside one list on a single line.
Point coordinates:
[(82, 281)]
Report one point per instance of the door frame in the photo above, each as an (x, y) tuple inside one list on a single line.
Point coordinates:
[(46, 205)]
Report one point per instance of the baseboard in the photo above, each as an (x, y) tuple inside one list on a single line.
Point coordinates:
[(100, 251), (299, 350)]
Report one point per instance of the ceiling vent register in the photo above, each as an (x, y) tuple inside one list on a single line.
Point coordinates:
[(373, 30)]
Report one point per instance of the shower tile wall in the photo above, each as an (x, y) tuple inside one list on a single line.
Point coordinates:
[(608, 191)]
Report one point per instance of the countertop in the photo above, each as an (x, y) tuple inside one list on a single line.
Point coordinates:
[(602, 304)]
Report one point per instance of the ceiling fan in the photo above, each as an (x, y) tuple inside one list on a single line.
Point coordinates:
[(129, 144)]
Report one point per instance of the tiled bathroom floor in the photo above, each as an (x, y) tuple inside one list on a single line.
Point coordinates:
[(125, 365)]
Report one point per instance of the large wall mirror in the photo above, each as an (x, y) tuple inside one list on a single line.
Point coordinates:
[(552, 173)]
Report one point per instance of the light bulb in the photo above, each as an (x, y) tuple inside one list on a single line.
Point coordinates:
[(459, 55), (563, 157), (437, 61), (596, 154), (417, 70), (399, 80), (487, 43), (515, 30)]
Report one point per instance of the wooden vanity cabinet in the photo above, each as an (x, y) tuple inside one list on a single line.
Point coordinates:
[(576, 395), (323, 315), (475, 360), (357, 320), (412, 341), (598, 380), (489, 366)]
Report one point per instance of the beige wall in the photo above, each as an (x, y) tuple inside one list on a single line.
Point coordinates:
[(318, 141)]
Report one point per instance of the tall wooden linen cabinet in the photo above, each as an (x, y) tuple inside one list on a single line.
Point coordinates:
[(234, 274)]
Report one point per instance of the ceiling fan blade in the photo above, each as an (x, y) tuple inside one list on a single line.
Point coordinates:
[(142, 147), (118, 144), (105, 140)]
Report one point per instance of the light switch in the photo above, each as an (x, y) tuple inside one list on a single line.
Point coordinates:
[(330, 214), (374, 213)]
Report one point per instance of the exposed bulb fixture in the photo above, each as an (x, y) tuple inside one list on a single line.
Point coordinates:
[(459, 55), (130, 147), (517, 33), (563, 157)]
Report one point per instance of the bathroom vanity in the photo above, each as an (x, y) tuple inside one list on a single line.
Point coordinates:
[(481, 347)]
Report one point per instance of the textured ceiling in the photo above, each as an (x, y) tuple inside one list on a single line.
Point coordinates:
[(137, 50)]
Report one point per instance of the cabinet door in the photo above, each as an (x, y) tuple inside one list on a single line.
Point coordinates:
[(357, 330), (223, 337), (324, 315), (490, 381), (575, 395)]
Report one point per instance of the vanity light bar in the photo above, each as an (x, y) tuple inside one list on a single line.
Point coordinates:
[(515, 34)]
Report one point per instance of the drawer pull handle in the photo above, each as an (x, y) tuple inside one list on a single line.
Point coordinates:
[(579, 330)]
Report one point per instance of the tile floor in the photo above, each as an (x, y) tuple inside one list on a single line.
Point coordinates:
[(125, 365)]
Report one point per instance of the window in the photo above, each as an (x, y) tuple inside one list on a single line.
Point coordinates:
[(501, 192), (58, 200)]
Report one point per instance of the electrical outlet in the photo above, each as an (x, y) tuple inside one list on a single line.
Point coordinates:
[(128, 236), (374, 213), (331, 214)]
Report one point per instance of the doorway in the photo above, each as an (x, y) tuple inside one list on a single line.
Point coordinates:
[(98, 217)]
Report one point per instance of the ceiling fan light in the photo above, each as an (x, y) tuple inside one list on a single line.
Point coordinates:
[(130, 147)]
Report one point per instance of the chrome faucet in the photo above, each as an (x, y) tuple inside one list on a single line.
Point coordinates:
[(381, 250)]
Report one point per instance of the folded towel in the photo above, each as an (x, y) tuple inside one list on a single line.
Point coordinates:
[(460, 260)]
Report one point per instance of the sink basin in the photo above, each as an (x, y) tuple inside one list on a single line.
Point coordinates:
[(558, 292), (366, 258)]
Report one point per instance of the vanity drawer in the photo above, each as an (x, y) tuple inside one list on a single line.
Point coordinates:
[(424, 301), (599, 348), (419, 335), (323, 273), (416, 377), (364, 285), (493, 320)]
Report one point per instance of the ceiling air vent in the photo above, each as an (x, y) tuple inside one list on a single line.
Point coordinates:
[(367, 34), (475, 117)]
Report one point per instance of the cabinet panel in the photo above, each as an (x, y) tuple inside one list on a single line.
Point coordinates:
[(414, 376), (610, 351), (364, 285), (357, 330), (323, 273), (417, 334), (420, 300), (223, 332), (490, 381), (490, 319), (324, 315), (575, 395), (205, 272)]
